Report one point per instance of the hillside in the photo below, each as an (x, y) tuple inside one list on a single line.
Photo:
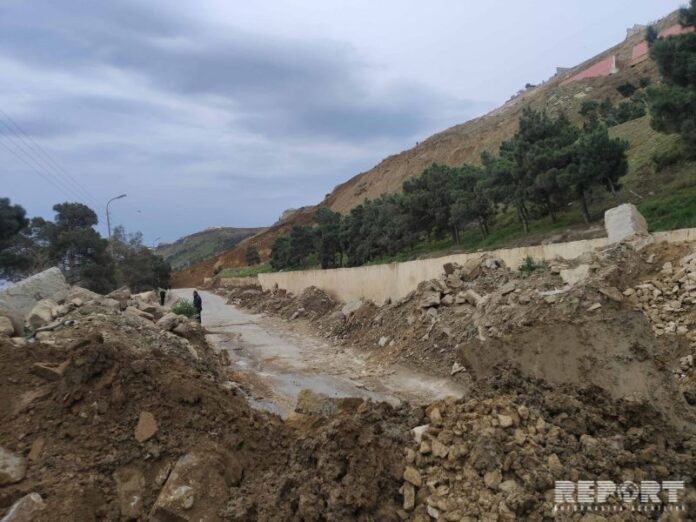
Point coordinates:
[(465, 143), (203, 245)]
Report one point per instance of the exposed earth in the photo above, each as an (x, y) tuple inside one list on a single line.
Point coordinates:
[(464, 401)]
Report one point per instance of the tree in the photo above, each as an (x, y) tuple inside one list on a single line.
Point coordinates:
[(136, 265), (626, 89), (470, 203), (252, 255), (673, 104), (280, 253), (12, 221), (428, 199), (328, 237), (77, 248), (598, 160), (301, 244)]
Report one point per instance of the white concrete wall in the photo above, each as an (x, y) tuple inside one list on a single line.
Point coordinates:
[(396, 280)]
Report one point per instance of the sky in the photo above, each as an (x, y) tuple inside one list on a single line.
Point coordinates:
[(227, 112)]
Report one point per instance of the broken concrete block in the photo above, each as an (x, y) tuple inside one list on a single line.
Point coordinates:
[(13, 467), (624, 221)]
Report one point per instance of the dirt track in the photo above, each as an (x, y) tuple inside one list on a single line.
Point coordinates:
[(274, 363)]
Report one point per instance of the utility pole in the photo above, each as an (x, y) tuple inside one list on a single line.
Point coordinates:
[(108, 221)]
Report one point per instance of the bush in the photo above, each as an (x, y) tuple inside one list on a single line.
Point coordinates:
[(664, 159), (185, 307), (528, 265)]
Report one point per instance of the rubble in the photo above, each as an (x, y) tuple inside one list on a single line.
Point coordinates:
[(23, 296), (12, 467)]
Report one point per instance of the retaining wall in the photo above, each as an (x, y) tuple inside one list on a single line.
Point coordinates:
[(396, 280)]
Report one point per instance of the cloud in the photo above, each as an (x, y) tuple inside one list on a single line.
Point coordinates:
[(142, 94)]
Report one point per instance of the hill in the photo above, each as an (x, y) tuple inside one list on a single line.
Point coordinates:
[(564, 93), (203, 245)]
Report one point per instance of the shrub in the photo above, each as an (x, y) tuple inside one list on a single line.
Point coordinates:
[(528, 265), (664, 159), (185, 307)]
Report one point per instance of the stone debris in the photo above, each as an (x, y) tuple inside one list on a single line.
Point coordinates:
[(13, 467), (146, 428), (27, 509)]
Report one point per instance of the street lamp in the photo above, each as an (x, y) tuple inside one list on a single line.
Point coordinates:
[(108, 220)]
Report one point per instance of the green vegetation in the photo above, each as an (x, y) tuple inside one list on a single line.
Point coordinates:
[(252, 256), (528, 266), (70, 242), (671, 211), (202, 245), (673, 103), (547, 166), (185, 307), (248, 271)]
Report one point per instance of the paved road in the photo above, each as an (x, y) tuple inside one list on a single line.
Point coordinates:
[(275, 363)]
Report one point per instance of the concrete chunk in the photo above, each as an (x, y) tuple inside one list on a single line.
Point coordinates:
[(624, 221)]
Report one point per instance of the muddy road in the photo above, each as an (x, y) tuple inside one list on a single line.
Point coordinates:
[(274, 362)]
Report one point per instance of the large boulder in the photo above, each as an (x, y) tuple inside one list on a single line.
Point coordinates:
[(84, 295), (7, 329), (623, 222), (169, 321), (122, 295), (23, 296)]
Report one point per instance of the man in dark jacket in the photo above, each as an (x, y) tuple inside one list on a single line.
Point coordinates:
[(163, 295), (198, 305)]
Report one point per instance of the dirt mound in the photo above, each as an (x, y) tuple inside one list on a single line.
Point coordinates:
[(496, 457), (110, 417)]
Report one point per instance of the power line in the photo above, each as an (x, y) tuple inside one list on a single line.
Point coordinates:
[(33, 150), (32, 167), (19, 151)]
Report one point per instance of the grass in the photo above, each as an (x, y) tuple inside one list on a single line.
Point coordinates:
[(671, 211), (247, 271)]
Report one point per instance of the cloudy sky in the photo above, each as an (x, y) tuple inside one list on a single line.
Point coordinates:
[(227, 112)]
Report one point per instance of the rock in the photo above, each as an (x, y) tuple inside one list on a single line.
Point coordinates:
[(7, 329), (13, 467), (146, 428), (508, 287), (623, 222), (447, 300), (109, 303), (26, 509), (457, 368), (413, 476), (43, 313), (130, 486), (122, 295), (573, 276), (505, 421), (470, 296), (351, 307), (492, 479), (449, 268), (612, 293), (16, 319), (435, 416), (593, 307), (439, 449), (139, 313), (509, 486), (195, 490), (23, 296), (84, 295), (409, 493), (186, 327), (453, 281), (50, 371), (554, 464), (383, 341), (418, 432), (19, 342), (429, 298), (433, 512), (169, 321)]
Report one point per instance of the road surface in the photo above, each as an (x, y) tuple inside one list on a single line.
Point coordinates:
[(273, 363)]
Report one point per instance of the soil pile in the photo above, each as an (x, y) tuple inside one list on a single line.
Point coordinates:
[(109, 415)]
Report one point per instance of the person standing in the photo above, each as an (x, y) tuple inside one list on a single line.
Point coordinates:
[(163, 295), (198, 305)]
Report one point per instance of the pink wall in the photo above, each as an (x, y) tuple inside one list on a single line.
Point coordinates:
[(603, 68), (675, 30)]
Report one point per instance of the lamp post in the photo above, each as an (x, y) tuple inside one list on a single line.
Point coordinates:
[(108, 220)]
